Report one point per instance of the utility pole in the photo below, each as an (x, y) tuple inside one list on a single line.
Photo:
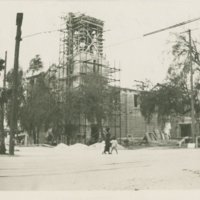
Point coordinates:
[(192, 89), (13, 127), (5, 64), (4, 88), (2, 106)]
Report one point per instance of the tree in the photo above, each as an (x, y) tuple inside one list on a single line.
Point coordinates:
[(34, 110), (2, 135), (173, 96), (164, 100), (179, 71), (37, 108), (70, 112), (35, 64), (5, 97), (97, 99), (147, 104), (20, 93), (56, 113), (19, 98)]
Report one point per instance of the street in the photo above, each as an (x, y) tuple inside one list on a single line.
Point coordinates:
[(79, 167)]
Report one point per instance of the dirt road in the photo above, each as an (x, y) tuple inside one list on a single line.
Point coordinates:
[(40, 168)]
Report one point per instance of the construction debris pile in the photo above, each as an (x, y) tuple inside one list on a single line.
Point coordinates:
[(158, 138), (78, 147)]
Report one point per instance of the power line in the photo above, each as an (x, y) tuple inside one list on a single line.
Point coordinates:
[(124, 41), (173, 26), (157, 31), (43, 32)]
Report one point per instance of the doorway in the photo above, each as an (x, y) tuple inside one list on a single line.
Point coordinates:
[(94, 133), (185, 130)]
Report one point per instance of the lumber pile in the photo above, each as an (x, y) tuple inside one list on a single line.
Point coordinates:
[(158, 138)]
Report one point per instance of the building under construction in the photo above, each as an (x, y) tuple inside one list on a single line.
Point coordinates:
[(81, 52)]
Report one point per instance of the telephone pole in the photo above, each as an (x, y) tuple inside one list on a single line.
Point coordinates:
[(4, 78), (191, 87), (2, 112), (4, 88), (13, 127)]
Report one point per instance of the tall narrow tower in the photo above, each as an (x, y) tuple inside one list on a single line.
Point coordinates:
[(81, 47), (81, 52)]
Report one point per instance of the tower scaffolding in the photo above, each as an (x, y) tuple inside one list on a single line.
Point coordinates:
[(81, 52)]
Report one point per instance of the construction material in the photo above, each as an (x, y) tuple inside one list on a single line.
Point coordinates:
[(180, 143), (158, 138), (197, 141), (191, 145)]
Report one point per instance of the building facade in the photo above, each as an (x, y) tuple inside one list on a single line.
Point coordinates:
[(81, 52), (133, 123)]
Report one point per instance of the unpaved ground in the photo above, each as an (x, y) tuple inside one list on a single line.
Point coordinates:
[(42, 168)]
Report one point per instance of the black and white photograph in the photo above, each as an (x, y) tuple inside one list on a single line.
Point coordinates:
[(99, 96)]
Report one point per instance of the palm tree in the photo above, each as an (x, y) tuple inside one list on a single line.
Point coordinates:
[(35, 64)]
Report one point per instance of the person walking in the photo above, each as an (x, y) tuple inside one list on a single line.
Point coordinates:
[(107, 141), (114, 145)]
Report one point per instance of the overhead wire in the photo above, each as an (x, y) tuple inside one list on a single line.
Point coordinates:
[(123, 41), (108, 46), (173, 26), (43, 32)]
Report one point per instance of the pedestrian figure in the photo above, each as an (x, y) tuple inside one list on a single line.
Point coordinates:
[(114, 145), (107, 141)]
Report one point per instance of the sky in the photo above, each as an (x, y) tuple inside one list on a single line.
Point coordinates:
[(125, 21)]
